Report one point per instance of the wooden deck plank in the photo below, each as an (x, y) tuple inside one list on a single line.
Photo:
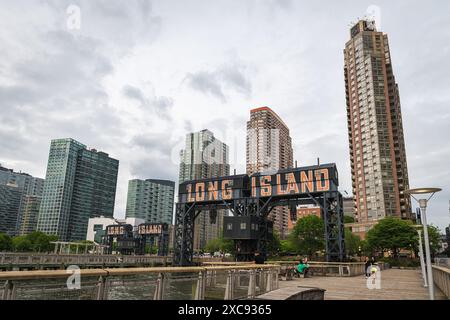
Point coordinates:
[(396, 284)]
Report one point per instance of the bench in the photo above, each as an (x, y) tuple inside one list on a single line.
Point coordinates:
[(287, 272), (294, 293)]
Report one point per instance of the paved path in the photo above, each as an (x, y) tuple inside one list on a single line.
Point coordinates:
[(396, 284)]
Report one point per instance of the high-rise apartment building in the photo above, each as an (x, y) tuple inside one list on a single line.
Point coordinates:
[(28, 184), (10, 199), (151, 200), (29, 215), (17, 188), (377, 147), (204, 157), (269, 148), (80, 184)]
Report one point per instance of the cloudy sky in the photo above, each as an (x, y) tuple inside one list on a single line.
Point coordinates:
[(138, 75)]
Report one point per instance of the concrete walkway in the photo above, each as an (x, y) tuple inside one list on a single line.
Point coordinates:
[(396, 284)]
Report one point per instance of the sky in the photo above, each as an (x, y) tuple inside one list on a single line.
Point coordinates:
[(131, 78)]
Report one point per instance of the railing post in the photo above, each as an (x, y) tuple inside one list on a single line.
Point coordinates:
[(8, 290), (238, 279), (101, 288), (252, 284), (208, 277), (277, 276), (269, 283), (159, 292), (229, 287), (214, 279), (262, 280), (200, 290)]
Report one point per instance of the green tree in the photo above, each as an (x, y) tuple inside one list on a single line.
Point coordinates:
[(152, 250), (273, 245), (22, 244), (5, 242), (307, 237), (213, 245), (220, 244), (287, 247), (348, 219), (366, 250), (392, 234), (352, 243), (434, 236), (40, 242)]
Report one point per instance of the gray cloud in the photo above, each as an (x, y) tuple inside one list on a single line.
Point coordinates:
[(206, 82), (160, 105), (216, 82), (134, 93), (54, 82), (155, 168), (152, 143)]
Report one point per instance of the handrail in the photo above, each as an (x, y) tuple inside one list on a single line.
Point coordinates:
[(48, 274), (441, 276), (318, 262)]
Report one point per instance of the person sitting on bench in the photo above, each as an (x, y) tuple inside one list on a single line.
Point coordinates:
[(303, 268)]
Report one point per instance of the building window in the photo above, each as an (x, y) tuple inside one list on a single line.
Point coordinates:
[(243, 226), (229, 226)]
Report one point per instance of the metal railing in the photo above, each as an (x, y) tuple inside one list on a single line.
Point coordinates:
[(336, 269), (441, 277), (36, 260), (442, 262), (168, 283)]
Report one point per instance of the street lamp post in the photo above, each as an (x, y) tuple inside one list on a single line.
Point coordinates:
[(423, 208), (422, 262)]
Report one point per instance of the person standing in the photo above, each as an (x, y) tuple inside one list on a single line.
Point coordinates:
[(367, 265), (259, 259)]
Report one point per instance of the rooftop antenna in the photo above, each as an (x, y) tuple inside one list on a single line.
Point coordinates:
[(318, 161)]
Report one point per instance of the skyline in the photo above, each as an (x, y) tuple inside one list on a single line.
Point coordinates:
[(106, 92)]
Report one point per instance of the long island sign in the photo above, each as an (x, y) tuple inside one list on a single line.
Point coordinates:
[(295, 182)]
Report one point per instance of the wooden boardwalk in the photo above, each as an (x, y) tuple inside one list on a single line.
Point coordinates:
[(396, 284)]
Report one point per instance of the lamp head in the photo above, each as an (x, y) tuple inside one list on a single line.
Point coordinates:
[(422, 190), (419, 191)]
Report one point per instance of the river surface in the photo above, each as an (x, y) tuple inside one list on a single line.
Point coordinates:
[(142, 287)]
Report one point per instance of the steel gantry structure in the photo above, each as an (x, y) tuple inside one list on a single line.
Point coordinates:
[(251, 199)]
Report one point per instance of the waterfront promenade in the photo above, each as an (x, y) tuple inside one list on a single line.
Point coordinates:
[(220, 281), (396, 284)]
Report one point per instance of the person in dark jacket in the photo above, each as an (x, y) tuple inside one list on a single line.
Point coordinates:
[(259, 259), (367, 265)]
